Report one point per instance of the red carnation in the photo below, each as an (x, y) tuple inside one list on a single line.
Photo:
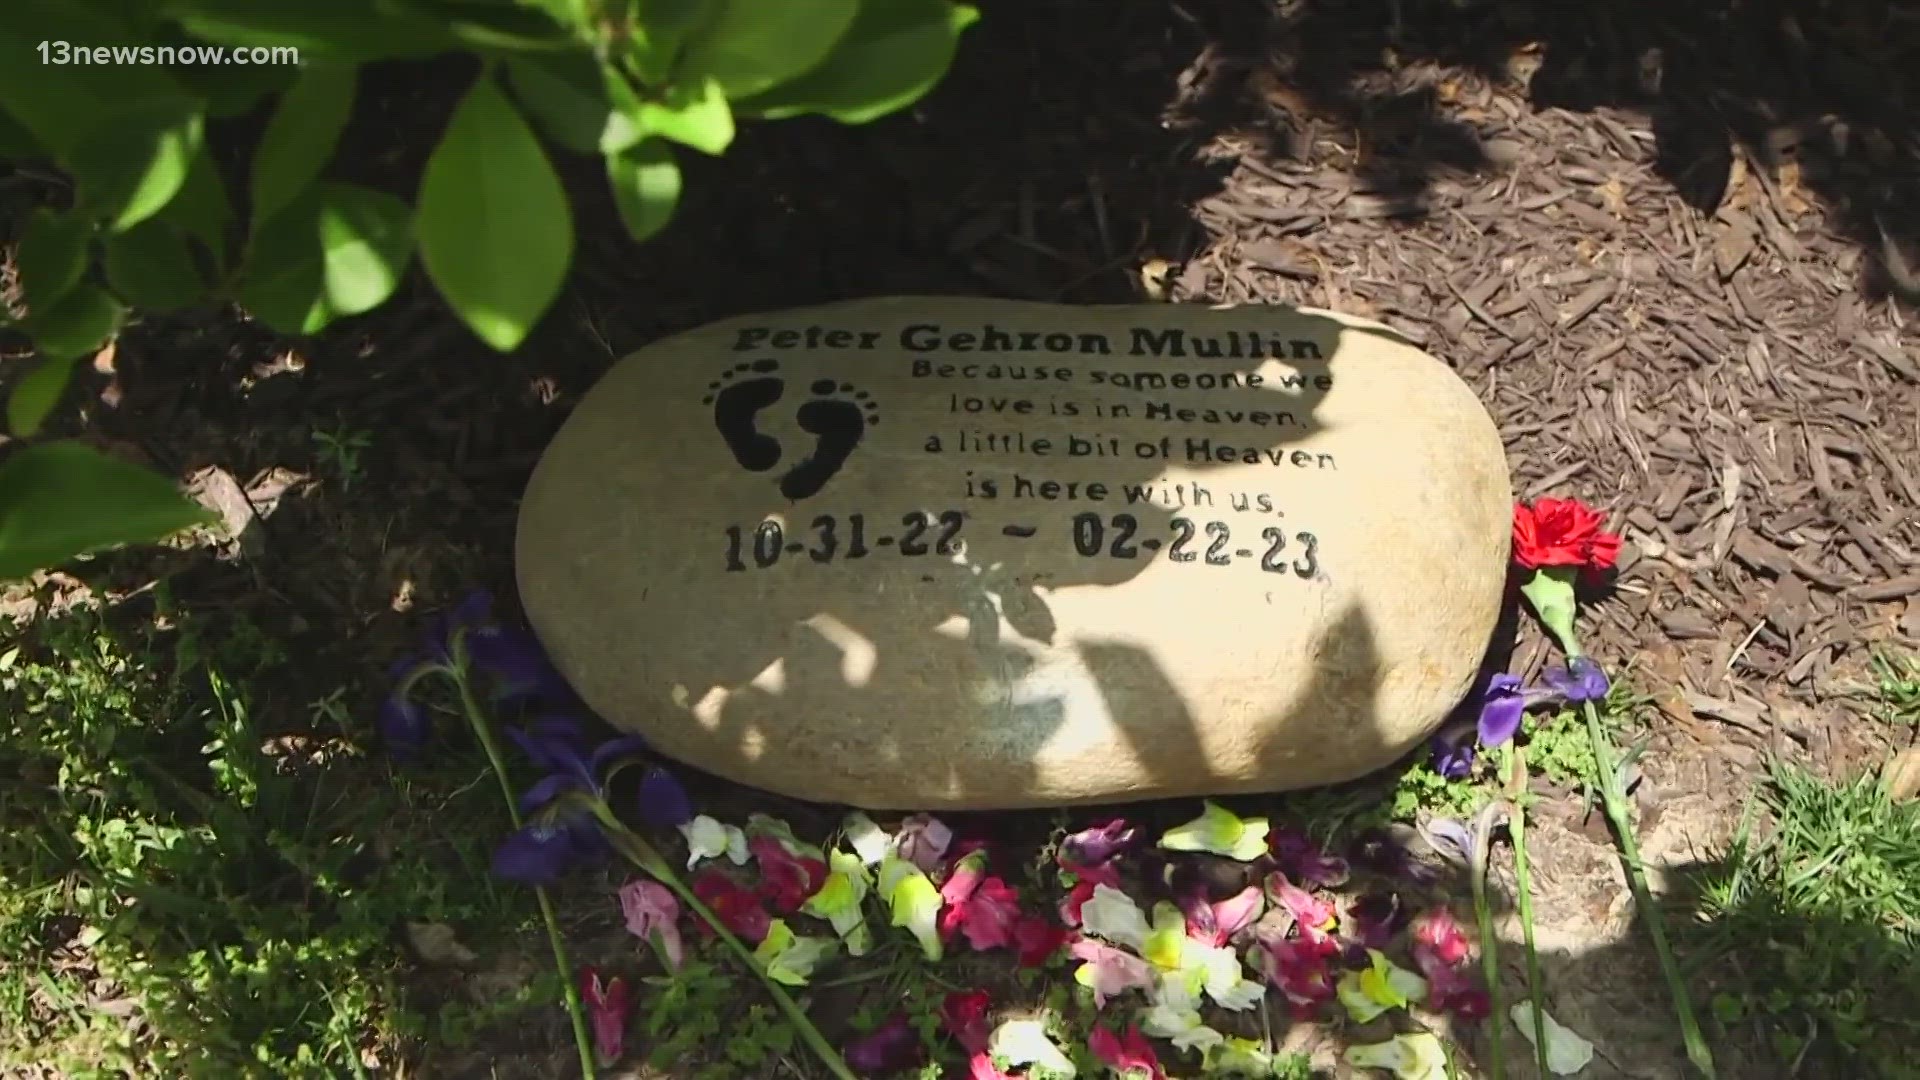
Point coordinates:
[(1562, 532)]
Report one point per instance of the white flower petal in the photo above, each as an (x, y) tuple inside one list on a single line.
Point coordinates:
[(1418, 1056), (1244, 995), (1112, 915), (1175, 990), (1567, 1053), (1181, 1025), (869, 840), (706, 839), (1025, 1042)]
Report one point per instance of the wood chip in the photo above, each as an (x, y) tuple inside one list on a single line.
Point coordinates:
[(1890, 589)]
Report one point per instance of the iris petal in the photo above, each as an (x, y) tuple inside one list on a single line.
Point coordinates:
[(546, 789), (404, 724), (1501, 713), (613, 750), (534, 855), (664, 803)]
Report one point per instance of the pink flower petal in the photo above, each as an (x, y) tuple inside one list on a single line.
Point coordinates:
[(1300, 971), (891, 1047), (653, 914), (1438, 934), (1236, 913), (1130, 1055), (1075, 900), (737, 908), (1312, 915), (786, 880), (606, 1005), (1036, 940), (980, 1067), (1105, 873), (1097, 845), (986, 917), (1115, 971), (923, 840), (1459, 991), (965, 877), (963, 1014)]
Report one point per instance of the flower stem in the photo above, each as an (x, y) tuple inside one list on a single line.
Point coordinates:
[(1489, 944), (1615, 801), (1523, 874), (483, 731), (642, 854)]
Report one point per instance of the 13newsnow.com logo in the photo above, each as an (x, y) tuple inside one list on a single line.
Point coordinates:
[(65, 52)]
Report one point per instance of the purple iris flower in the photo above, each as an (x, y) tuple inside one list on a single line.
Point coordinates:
[(663, 801), (1580, 681), (404, 726), (1501, 708), (561, 834), (513, 667), (558, 744), (1454, 751), (1452, 839), (1505, 702), (541, 851)]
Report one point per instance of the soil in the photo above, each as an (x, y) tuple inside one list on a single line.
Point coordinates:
[(1666, 244)]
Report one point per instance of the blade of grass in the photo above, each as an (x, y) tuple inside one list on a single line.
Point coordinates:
[(1489, 945), (1614, 801), (1517, 828), (483, 731)]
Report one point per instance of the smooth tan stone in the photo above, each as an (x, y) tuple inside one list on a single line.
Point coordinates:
[(1121, 576)]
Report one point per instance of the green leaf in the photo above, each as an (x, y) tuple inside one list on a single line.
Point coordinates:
[(565, 94), (16, 142), (52, 255), (496, 233), (657, 38), (359, 30), (567, 12), (34, 397), (646, 187), (692, 116), (235, 89), (133, 164), (53, 92), (80, 323), (893, 54), (366, 237), (151, 267), (755, 45), (200, 207), (283, 283), (62, 499), (337, 250), (487, 25), (301, 135)]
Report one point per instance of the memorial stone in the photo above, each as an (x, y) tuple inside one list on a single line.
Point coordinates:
[(947, 553)]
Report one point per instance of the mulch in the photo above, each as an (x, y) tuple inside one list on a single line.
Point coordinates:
[(1666, 243), (1662, 262), (1622, 223)]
